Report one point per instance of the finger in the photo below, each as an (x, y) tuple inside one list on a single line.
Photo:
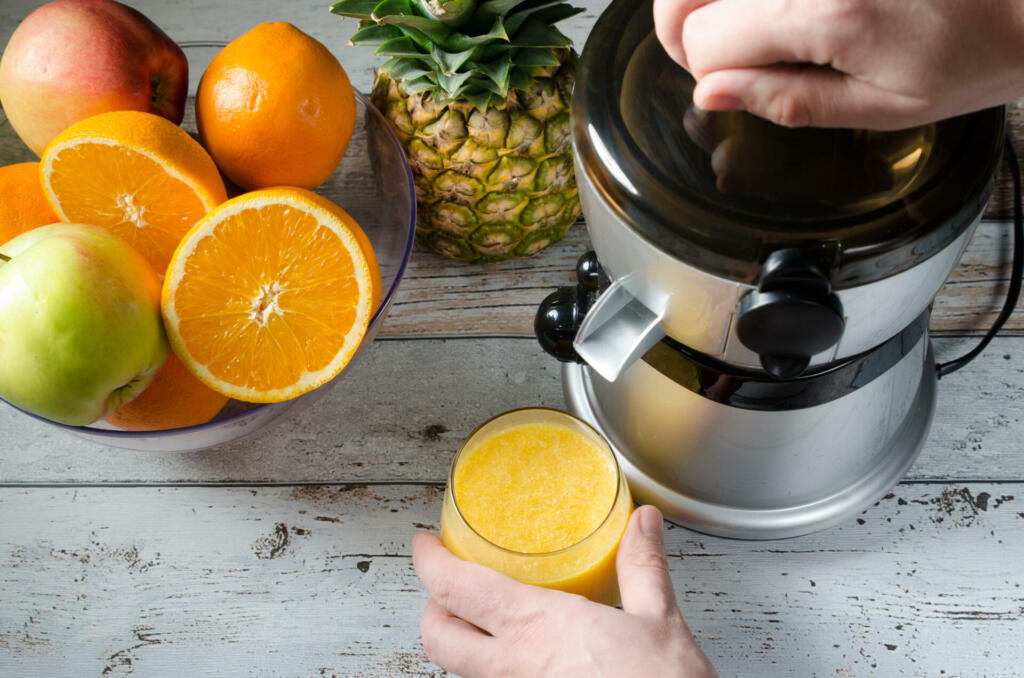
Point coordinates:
[(456, 645), (743, 34), (798, 96), (669, 17), (477, 594), (644, 583)]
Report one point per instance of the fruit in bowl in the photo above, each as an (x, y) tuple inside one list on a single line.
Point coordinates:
[(281, 121), (80, 326), (269, 296), (174, 399), (265, 298), (135, 173), (374, 186), (71, 59), (24, 204)]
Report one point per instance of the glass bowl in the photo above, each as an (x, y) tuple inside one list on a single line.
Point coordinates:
[(373, 184)]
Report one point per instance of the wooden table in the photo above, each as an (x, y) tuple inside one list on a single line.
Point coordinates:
[(288, 554)]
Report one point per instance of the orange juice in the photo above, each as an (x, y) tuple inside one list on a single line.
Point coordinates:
[(537, 494)]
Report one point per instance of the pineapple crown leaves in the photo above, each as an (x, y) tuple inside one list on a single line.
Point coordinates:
[(462, 49)]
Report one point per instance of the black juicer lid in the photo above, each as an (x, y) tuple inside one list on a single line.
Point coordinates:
[(722, 191)]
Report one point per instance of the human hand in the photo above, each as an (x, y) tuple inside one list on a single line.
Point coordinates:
[(879, 64), (481, 623)]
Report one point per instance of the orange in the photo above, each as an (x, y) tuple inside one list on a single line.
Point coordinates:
[(275, 108), (174, 399), (270, 294), (137, 174), (23, 205)]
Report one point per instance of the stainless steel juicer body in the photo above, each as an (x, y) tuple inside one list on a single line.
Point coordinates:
[(759, 474), (751, 335), (699, 309)]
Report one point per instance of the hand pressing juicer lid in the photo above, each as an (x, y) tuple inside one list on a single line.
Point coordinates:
[(722, 190), (751, 330)]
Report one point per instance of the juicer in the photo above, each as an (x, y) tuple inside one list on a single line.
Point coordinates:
[(750, 332)]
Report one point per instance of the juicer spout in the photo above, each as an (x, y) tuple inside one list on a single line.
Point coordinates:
[(618, 330)]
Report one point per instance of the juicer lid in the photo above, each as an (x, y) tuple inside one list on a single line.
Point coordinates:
[(722, 191)]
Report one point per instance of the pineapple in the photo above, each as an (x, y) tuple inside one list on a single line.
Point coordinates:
[(479, 94)]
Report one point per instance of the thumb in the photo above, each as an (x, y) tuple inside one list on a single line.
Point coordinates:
[(644, 582), (800, 95)]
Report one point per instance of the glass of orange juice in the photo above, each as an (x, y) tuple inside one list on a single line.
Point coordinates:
[(538, 494)]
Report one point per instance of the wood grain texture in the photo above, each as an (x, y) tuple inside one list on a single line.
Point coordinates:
[(401, 413), (975, 292), (1001, 204), (317, 581)]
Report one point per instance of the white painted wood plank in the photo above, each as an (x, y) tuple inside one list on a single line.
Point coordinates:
[(311, 581), (401, 413)]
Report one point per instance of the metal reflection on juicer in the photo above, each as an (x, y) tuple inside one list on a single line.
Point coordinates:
[(751, 330)]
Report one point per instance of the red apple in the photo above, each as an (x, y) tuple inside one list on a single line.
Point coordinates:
[(71, 59)]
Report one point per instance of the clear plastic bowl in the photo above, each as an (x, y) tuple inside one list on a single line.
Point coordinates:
[(373, 184)]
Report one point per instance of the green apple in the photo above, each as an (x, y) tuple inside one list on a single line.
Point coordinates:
[(80, 327)]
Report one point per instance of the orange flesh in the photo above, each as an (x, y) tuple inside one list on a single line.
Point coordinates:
[(287, 294), (129, 193), (175, 399), (23, 204)]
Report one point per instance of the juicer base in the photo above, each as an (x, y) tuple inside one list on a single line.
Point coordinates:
[(724, 520)]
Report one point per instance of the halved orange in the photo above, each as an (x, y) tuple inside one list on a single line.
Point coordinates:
[(135, 173), (269, 295)]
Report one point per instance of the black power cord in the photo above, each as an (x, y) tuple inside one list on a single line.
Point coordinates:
[(1012, 294)]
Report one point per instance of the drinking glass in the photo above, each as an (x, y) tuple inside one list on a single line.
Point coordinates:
[(586, 567)]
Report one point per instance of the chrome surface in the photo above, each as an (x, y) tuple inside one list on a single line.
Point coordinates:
[(617, 330), (758, 475), (699, 308)]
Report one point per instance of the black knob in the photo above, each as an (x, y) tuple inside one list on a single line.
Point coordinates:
[(558, 319), (561, 313), (792, 316), (589, 272)]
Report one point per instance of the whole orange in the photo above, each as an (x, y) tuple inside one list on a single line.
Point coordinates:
[(23, 204), (174, 399), (275, 108)]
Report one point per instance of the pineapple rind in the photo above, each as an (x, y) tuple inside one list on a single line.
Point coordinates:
[(491, 183)]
